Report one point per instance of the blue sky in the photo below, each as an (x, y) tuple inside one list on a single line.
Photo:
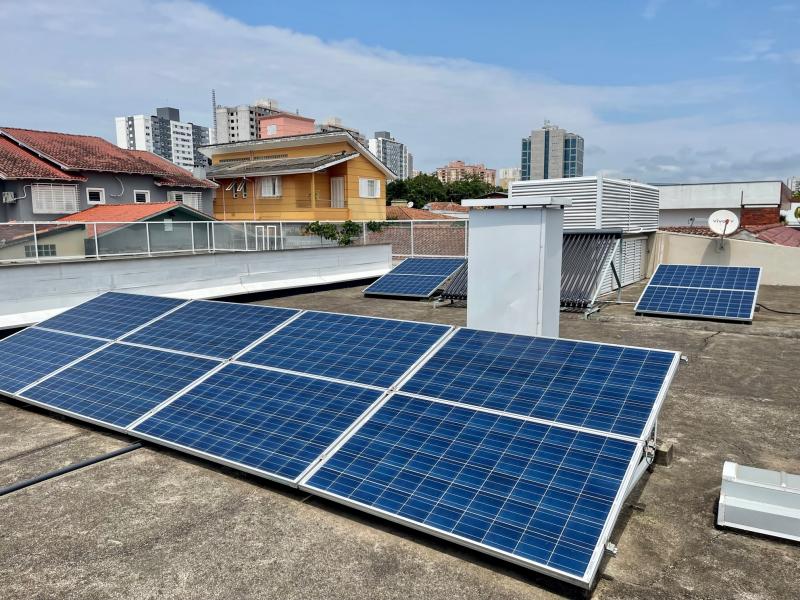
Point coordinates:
[(662, 90)]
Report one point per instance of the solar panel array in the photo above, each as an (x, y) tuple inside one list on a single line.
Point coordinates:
[(416, 277), (727, 293), (520, 447)]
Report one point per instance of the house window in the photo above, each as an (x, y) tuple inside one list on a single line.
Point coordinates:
[(369, 188), (44, 250), (271, 187), (272, 129), (243, 188), (191, 199), (141, 196), (96, 195), (54, 199)]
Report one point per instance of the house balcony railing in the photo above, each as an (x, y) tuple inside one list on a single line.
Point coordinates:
[(45, 242)]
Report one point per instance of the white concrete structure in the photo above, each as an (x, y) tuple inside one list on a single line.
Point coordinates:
[(684, 204), (42, 291), (393, 154), (240, 123), (522, 297)]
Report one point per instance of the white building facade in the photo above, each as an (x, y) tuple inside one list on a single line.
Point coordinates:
[(240, 123), (392, 153)]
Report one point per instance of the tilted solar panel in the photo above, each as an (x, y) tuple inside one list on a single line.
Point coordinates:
[(707, 276), (111, 315), (697, 302), (440, 267), (364, 350), (29, 355), (119, 384), (536, 494), (218, 329), (602, 387), (416, 286), (274, 423)]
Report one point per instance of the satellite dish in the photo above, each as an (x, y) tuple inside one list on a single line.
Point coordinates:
[(410, 205), (723, 222)]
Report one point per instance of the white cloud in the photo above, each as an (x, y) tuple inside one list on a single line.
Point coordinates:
[(651, 8), (78, 65)]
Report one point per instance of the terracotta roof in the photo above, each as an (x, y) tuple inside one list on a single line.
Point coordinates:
[(447, 206), (403, 213), (92, 153), (704, 231), (782, 236), (17, 163), (118, 214)]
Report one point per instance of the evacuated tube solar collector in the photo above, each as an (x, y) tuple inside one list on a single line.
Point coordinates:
[(514, 280)]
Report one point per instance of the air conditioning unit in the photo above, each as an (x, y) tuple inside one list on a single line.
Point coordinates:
[(9, 198)]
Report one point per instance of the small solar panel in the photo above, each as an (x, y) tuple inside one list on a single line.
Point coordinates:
[(714, 292), (699, 302), (707, 276), (417, 286), (111, 315), (440, 267), (219, 329), (598, 386), (31, 354), (364, 350), (119, 384), (537, 494), (416, 277), (276, 423)]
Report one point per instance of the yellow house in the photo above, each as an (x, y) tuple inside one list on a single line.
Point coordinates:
[(325, 176)]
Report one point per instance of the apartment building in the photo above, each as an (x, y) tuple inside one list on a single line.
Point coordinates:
[(164, 134), (456, 170), (392, 153), (241, 123), (551, 153), (507, 175)]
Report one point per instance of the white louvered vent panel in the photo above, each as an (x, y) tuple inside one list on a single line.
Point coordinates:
[(630, 205), (630, 267), (582, 214)]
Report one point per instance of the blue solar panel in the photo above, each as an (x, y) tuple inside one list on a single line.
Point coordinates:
[(706, 276), (700, 302), (418, 286), (537, 493), (360, 349), (111, 315), (440, 267), (597, 386), (218, 329), (277, 423), (31, 354), (120, 383)]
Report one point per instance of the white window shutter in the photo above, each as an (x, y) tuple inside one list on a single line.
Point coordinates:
[(377, 188), (363, 188), (278, 184)]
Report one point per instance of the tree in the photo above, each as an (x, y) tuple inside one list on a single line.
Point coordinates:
[(470, 186), (396, 190), (422, 189)]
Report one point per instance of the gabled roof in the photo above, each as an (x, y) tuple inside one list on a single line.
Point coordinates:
[(294, 141), (404, 213), (68, 152), (17, 163), (117, 215), (278, 166), (781, 236), (446, 207)]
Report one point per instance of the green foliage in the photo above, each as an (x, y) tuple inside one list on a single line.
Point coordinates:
[(343, 234), (797, 213), (471, 186), (396, 190), (426, 188), (377, 226)]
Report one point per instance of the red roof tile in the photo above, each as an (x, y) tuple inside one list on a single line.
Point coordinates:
[(704, 231), (782, 236), (447, 206), (17, 163), (116, 214), (92, 153), (403, 213)]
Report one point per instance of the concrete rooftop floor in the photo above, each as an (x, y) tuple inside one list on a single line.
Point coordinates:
[(158, 524)]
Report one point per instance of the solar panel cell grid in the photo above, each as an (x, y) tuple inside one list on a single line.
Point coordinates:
[(218, 329), (31, 354), (111, 315), (703, 276), (440, 267), (419, 286), (723, 304), (274, 422), (120, 383), (596, 386), (359, 349), (537, 492)]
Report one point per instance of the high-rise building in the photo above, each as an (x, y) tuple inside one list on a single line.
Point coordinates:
[(456, 170), (392, 153), (335, 124), (507, 175), (551, 153), (240, 123), (794, 184), (164, 134)]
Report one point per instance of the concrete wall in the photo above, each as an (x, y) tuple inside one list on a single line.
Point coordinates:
[(720, 195), (679, 217), (115, 192), (31, 293), (778, 263)]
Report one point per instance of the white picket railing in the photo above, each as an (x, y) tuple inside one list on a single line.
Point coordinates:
[(48, 241)]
